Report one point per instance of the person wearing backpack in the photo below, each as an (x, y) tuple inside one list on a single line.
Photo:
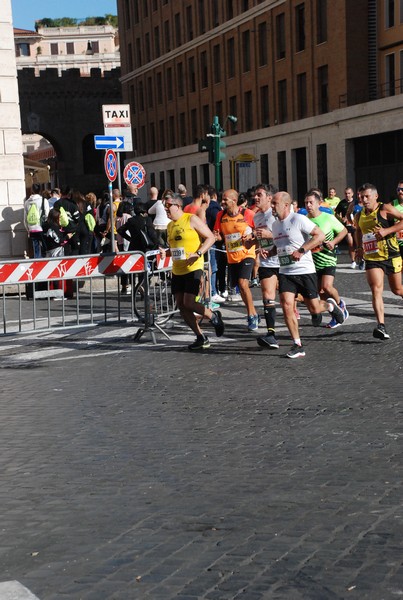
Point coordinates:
[(36, 210), (69, 218)]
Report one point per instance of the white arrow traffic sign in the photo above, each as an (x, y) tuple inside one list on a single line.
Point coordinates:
[(105, 142)]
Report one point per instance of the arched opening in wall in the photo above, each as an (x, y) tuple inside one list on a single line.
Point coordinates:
[(93, 160), (40, 161)]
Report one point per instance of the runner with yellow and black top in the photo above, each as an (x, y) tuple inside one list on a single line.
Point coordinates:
[(377, 243), (189, 238), (398, 204)]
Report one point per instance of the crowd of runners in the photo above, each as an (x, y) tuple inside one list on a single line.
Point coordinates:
[(291, 251)]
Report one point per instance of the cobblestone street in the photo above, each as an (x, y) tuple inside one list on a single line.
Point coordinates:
[(146, 472)]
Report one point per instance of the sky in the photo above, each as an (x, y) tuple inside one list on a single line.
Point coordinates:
[(26, 12)]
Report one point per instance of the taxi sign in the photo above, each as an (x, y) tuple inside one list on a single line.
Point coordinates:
[(111, 165), (134, 173)]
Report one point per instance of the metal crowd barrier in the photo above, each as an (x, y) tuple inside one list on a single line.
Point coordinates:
[(75, 291)]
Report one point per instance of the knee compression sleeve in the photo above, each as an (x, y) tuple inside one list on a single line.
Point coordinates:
[(316, 319), (269, 307)]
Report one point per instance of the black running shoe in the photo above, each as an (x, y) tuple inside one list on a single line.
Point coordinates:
[(217, 323), (200, 343), (380, 332), (296, 352), (267, 341), (337, 313)]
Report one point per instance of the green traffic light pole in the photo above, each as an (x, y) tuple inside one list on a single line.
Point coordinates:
[(217, 131)]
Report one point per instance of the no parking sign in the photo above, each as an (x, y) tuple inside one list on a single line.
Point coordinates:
[(135, 173), (111, 165)]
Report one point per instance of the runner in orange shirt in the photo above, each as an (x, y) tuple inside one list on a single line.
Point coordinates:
[(235, 226)]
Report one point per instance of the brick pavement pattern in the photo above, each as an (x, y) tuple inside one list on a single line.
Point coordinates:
[(233, 474)]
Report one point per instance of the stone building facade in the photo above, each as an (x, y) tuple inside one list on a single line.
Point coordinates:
[(12, 188), (316, 86)]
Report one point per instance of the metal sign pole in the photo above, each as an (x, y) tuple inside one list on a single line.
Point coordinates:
[(119, 173), (111, 217)]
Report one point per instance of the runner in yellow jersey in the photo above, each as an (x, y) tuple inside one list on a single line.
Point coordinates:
[(189, 238), (377, 226)]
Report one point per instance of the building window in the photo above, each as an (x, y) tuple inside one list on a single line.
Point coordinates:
[(189, 24), (155, 5), (230, 9), (215, 14), (231, 57), (218, 110), (153, 145), (280, 36), (182, 131), (95, 47), (169, 83), (150, 95), (193, 125), (282, 101), (182, 175), (138, 52), (192, 74), (300, 27), (401, 71), (390, 75), (54, 49), (181, 79), (233, 111), (132, 100), (162, 135), (130, 56), (203, 69), (172, 132), (248, 111), (202, 17), (264, 168), (23, 50), (70, 47), (206, 117), (193, 174), (157, 45), (389, 13), (127, 14), (321, 161), (148, 46), (145, 8), (264, 106), (262, 40), (246, 51), (171, 176), (323, 95), (217, 63), (245, 5), (136, 12), (178, 32), (321, 21), (162, 180), (141, 96), (282, 170), (159, 87), (301, 96), (401, 11), (167, 36)]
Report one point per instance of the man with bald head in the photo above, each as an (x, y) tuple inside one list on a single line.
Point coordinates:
[(294, 236), (235, 225)]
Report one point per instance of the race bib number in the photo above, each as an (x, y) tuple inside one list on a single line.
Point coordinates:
[(178, 253), (369, 243), (233, 242), (399, 235), (284, 256), (266, 243)]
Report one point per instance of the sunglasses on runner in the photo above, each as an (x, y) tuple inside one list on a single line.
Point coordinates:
[(169, 204), (399, 189)]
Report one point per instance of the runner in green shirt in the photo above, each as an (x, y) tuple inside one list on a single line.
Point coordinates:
[(324, 257)]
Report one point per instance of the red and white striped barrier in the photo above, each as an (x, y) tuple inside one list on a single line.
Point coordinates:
[(71, 267)]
